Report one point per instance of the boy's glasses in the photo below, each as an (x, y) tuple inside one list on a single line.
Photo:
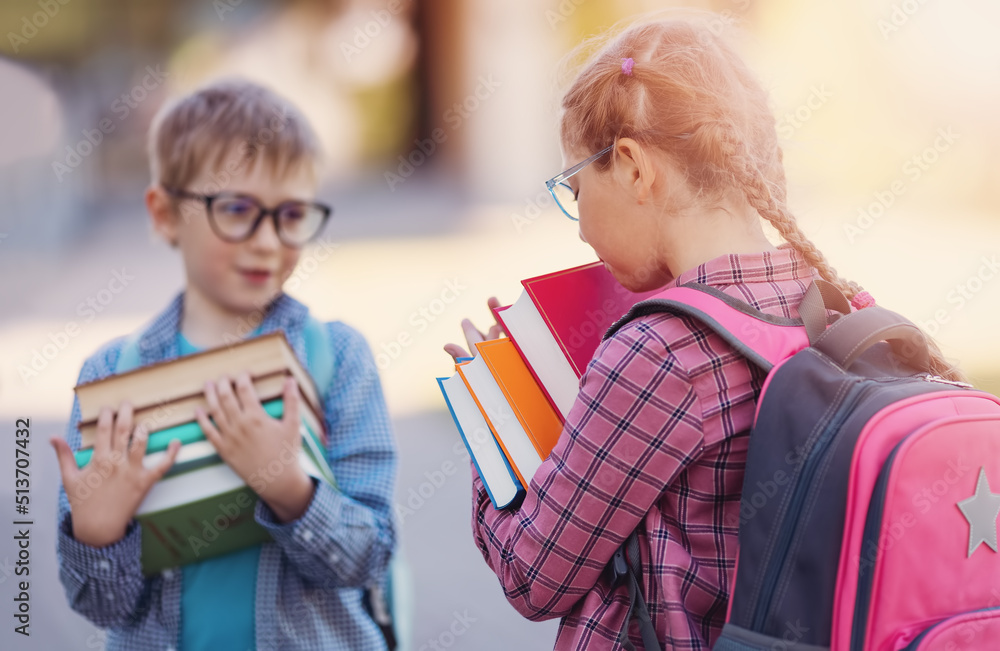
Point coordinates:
[(235, 217), (563, 194)]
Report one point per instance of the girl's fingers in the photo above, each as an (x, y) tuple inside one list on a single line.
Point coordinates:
[(472, 334), (494, 303), (455, 351)]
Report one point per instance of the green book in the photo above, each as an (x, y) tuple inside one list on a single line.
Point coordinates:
[(202, 513), (201, 508)]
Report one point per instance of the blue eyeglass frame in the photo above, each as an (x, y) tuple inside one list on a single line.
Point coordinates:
[(559, 179)]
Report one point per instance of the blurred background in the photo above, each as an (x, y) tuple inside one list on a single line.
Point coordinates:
[(438, 119)]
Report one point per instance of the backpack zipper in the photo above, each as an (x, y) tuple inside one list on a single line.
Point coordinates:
[(778, 556), (915, 644), (870, 533), (938, 378)]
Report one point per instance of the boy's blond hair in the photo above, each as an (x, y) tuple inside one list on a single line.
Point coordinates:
[(223, 127)]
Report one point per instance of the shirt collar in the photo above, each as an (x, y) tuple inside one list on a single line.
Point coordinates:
[(159, 340), (787, 263)]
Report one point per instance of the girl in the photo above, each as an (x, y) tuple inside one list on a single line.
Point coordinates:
[(675, 160)]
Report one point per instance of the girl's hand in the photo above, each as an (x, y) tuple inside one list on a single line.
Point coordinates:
[(106, 493), (251, 441), (473, 335)]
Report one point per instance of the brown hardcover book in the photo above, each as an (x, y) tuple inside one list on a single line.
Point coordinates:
[(183, 378), (163, 415)]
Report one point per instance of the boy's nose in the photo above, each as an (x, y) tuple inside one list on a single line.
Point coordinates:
[(266, 235)]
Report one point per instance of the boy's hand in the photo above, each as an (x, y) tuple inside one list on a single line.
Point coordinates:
[(473, 335), (106, 493), (262, 450)]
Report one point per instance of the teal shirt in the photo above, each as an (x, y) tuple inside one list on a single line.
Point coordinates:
[(217, 594)]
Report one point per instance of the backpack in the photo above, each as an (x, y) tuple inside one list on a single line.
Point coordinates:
[(868, 517), (388, 603)]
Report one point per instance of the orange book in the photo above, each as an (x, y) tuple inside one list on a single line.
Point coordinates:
[(539, 419)]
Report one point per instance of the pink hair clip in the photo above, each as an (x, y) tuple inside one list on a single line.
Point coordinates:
[(627, 66), (862, 300)]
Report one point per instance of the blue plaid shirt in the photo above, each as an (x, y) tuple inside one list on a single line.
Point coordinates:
[(310, 578)]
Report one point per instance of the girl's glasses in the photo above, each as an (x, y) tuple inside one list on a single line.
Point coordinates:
[(563, 194), (235, 217)]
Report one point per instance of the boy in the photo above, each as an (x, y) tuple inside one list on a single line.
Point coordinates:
[(233, 180)]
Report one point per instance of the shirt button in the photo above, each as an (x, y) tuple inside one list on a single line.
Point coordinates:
[(334, 557), (306, 534), (103, 564), (168, 574)]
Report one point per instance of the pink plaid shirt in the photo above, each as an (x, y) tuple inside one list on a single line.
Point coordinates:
[(656, 442)]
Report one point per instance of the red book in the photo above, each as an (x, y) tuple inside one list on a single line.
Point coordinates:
[(558, 322)]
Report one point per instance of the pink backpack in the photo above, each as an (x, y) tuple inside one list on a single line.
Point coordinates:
[(868, 518)]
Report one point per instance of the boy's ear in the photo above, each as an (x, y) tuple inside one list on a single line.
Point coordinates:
[(161, 211), (634, 168)]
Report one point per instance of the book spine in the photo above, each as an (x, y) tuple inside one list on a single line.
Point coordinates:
[(519, 488)]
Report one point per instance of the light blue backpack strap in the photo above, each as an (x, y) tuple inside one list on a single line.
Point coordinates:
[(319, 356), (129, 358), (398, 591)]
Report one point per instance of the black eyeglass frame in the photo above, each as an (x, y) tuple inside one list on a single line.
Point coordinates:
[(262, 212)]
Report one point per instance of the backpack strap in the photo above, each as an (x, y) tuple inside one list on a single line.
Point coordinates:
[(382, 599), (626, 566), (129, 357), (763, 339), (319, 357)]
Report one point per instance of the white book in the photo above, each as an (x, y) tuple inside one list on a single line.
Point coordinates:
[(523, 454), (524, 324)]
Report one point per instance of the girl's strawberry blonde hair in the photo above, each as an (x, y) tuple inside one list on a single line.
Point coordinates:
[(688, 93)]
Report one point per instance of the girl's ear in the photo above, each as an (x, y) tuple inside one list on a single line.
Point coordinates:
[(161, 211), (634, 168)]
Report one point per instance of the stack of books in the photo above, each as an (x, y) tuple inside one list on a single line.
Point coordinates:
[(510, 401), (201, 508)]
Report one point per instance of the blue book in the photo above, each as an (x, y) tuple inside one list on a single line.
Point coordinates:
[(491, 463)]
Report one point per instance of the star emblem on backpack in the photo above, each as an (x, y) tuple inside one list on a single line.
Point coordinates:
[(981, 510)]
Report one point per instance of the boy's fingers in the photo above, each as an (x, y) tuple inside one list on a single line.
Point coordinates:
[(137, 448), (67, 463), (248, 399), (105, 421), (227, 401), (122, 428), (214, 408), (211, 433), (161, 468), (291, 398)]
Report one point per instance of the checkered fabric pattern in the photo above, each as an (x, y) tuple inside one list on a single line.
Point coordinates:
[(310, 579), (656, 442)]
